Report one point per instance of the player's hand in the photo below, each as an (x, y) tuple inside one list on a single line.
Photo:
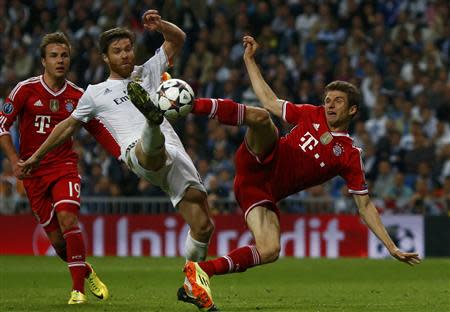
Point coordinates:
[(250, 46), (18, 172), (407, 257), (28, 165), (152, 20)]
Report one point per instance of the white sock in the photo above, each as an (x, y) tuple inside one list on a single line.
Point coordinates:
[(152, 139), (194, 250)]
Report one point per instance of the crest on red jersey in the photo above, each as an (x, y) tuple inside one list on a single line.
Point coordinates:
[(69, 106), (337, 149), (54, 105)]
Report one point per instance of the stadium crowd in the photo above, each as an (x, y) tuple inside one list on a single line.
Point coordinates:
[(397, 52)]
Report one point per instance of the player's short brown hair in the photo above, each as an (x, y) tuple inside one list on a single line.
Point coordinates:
[(353, 93), (56, 37), (107, 37)]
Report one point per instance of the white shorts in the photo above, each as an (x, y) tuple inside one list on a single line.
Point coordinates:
[(175, 177)]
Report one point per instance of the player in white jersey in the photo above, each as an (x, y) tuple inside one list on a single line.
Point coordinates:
[(160, 158)]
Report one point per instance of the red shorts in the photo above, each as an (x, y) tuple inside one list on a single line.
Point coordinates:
[(252, 183), (47, 193)]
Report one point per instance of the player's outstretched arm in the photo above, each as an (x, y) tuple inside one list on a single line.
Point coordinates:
[(64, 130), (7, 146), (263, 91), (370, 215), (174, 37)]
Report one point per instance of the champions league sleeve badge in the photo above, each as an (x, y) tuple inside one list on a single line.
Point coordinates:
[(8, 108)]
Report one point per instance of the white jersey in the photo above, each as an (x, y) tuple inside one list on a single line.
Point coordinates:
[(108, 102)]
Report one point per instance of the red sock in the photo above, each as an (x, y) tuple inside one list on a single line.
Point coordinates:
[(76, 255), (227, 111), (237, 260)]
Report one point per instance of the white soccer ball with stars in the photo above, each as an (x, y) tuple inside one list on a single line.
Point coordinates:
[(175, 98)]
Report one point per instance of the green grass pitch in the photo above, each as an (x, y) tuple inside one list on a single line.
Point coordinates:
[(310, 285)]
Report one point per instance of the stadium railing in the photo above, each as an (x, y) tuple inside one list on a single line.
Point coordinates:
[(159, 205)]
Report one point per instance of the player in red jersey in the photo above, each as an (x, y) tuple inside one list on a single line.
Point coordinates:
[(269, 168), (53, 189)]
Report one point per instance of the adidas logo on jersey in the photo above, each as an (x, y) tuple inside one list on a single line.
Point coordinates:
[(38, 103), (316, 126), (107, 91)]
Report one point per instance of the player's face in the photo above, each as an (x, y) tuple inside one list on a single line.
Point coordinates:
[(120, 58), (337, 110), (57, 60)]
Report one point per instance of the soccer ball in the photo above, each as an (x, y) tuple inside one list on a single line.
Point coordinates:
[(175, 98)]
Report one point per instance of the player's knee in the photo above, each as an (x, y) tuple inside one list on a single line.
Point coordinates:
[(67, 220), (199, 220), (258, 116), (269, 253)]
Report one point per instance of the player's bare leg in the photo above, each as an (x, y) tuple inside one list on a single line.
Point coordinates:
[(195, 211), (59, 244), (265, 228), (154, 160), (262, 133)]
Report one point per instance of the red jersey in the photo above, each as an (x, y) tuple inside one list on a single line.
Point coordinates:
[(309, 155), (39, 110), (312, 154)]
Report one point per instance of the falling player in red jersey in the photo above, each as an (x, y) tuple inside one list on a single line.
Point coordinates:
[(53, 189), (269, 168)]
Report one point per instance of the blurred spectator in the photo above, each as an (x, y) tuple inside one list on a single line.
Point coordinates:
[(376, 125), (384, 181), (11, 189), (399, 194), (443, 197), (421, 201)]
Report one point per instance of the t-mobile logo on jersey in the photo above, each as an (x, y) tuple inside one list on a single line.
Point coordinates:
[(308, 141), (42, 122)]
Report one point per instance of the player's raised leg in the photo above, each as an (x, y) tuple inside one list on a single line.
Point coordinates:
[(141, 99), (262, 133), (150, 151)]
